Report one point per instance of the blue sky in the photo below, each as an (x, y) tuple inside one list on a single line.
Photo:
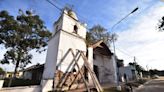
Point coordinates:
[(104, 12), (136, 33)]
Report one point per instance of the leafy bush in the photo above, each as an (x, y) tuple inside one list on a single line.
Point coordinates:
[(21, 82)]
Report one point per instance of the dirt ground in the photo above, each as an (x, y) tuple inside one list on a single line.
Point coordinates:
[(156, 85)]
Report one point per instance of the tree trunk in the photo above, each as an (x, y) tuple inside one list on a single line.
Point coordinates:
[(16, 68), (14, 76)]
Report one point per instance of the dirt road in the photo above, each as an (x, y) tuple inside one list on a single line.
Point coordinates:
[(156, 85)]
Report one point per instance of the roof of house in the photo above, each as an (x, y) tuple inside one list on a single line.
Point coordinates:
[(34, 67), (101, 48)]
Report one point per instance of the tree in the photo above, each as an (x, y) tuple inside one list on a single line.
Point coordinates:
[(1, 71), (137, 66), (21, 34), (120, 63), (97, 33), (153, 72), (161, 25)]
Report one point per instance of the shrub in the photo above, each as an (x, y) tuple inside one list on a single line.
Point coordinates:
[(20, 82)]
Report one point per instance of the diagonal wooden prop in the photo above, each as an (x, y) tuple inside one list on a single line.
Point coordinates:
[(74, 63)]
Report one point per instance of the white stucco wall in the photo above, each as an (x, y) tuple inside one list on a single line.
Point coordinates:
[(62, 40), (128, 71), (27, 75), (90, 61), (68, 41), (106, 69), (68, 25), (51, 58)]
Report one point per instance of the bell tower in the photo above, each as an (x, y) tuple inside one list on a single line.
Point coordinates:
[(68, 33)]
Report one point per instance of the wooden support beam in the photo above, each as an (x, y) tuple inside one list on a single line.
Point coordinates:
[(65, 55), (75, 78), (66, 74), (85, 82), (74, 63), (92, 73), (64, 80)]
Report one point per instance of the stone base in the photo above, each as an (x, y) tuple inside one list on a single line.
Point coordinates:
[(1, 83), (47, 85), (118, 88)]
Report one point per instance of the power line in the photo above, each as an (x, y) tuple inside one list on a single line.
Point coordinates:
[(136, 59), (54, 5), (67, 14), (86, 28), (124, 52)]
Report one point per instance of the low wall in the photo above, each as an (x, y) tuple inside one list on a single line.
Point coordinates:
[(22, 89)]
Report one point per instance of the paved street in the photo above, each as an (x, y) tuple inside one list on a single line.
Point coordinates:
[(156, 85)]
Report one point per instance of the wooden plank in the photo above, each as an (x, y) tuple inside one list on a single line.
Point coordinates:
[(92, 73), (86, 84), (75, 78), (64, 80), (65, 55), (66, 74), (74, 63)]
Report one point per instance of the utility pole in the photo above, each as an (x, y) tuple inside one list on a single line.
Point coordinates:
[(113, 41), (134, 59)]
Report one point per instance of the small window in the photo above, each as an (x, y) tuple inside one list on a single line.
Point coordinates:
[(75, 29)]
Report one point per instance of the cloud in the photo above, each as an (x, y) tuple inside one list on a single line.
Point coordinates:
[(37, 58), (141, 35), (143, 40), (7, 67)]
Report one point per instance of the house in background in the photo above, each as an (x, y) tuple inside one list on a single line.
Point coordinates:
[(19, 74), (103, 63), (2, 74), (33, 72), (128, 73)]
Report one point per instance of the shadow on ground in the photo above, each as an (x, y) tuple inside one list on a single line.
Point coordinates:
[(153, 86)]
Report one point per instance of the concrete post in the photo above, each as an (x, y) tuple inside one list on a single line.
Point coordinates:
[(90, 60)]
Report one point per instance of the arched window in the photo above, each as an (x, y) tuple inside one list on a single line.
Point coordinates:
[(75, 29)]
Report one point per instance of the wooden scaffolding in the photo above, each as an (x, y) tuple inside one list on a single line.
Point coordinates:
[(59, 85)]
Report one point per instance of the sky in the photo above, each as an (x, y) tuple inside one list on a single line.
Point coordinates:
[(137, 34)]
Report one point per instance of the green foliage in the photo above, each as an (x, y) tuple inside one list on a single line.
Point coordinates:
[(1, 71), (161, 24), (21, 82), (153, 72), (20, 35), (120, 63), (137, 66), (97, 33)]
